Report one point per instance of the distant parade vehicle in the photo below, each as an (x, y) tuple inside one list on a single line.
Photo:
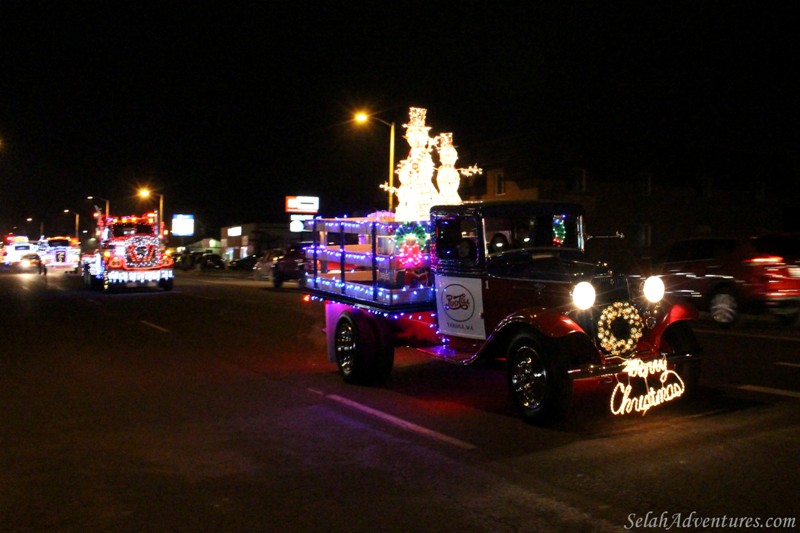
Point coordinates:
[(129, 254), (60, 253), (14, 248)]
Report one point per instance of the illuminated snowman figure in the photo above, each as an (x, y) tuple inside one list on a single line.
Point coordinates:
[(447, 178), (416, 193)]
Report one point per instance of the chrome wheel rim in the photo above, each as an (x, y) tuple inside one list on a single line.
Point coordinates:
[(529, 378), (345, 346), (723, 308)]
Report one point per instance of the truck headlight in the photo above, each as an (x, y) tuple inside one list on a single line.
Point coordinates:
[(653, 289), (583, 295)]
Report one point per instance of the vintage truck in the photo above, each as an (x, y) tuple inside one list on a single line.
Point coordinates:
[(129, 254), (501, 280)]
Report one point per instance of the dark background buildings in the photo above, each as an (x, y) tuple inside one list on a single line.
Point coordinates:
[(225, 108)]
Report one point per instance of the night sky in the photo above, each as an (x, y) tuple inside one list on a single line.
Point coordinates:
[(227, 107)]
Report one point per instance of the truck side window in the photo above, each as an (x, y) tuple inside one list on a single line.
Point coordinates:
[(457, 239)]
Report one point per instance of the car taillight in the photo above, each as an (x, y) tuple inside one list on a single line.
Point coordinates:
[(765, 260), (769, 268)]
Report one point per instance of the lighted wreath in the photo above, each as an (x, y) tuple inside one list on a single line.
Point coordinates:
[(619, 328), (415, 229), (410, 240)]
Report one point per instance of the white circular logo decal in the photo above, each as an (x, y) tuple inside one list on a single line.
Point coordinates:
[(458, 303)]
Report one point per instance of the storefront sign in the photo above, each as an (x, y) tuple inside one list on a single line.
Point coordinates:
[(671, 387), (302, 204)]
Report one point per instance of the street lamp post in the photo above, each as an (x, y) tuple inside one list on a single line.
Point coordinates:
[(106, 201), (77, 222), (145, 193), (362, 118)]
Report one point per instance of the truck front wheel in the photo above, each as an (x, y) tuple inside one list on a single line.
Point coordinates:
[(361, 355), (540, 388), (679, 338)]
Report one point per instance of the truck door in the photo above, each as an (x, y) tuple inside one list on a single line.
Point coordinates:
[(459, 295)]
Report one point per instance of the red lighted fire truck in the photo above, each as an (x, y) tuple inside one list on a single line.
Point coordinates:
[(505, 281), (130, 254)]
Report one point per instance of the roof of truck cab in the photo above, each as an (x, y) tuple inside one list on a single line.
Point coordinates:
[(508, 207)]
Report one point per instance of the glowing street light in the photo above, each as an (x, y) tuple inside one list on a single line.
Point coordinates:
[(145, 193), (363, 118)]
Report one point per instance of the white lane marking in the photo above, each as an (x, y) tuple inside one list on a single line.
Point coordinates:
[(750, 335), (770, 390), (404, 424), (154, 326), (793, 365)]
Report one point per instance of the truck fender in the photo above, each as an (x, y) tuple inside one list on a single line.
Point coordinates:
[(557, 331), (547, 322), (680, 311)]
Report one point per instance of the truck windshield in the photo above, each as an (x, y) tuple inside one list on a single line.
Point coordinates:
[(57, 242), (536, 231), (121, 230)]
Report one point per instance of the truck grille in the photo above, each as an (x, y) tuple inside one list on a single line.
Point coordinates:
[(141, 252), (610, 290)]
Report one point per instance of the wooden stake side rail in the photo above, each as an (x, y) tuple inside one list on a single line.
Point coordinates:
[(365, 273)]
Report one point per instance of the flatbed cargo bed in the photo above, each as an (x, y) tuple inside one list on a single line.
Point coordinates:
[(357, 261)]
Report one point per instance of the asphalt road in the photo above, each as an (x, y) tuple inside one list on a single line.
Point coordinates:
[(212, 408)]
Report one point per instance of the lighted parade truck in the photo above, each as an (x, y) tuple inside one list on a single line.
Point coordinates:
[(129, 254), (499, 281), (60, 253)]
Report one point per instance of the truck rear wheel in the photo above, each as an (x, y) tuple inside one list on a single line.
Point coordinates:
[(539, 386), (362, 354)]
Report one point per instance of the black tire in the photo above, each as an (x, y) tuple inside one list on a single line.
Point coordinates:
[(384, 361), (538, 383), (680, 338), (790, 319), (92, 282), (167, 284), (724, 308), (277, 280), (362, 357)]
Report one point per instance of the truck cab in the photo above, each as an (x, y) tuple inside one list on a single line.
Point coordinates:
[(130, 254), (500, 280)]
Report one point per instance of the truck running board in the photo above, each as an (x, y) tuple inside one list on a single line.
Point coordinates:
[(449, 354)]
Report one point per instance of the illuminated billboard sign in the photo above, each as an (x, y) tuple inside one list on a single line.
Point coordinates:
[(183, 225), (302, 204), (296, 222)]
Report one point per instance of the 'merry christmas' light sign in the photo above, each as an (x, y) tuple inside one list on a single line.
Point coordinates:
[(672, 387)]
